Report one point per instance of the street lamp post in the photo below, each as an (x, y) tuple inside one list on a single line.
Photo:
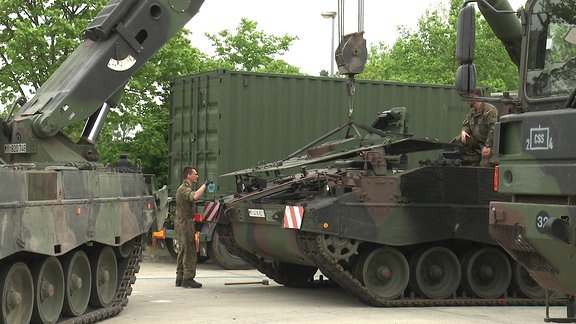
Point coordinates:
[(331, 14)]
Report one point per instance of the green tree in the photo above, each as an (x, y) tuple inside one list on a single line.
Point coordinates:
[(427, 55), (139, 126), (36, 37), (250, 49)]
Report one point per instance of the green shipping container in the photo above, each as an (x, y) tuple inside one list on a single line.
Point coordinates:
[(223, 121)]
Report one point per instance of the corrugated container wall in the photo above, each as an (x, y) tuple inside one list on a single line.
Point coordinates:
[(222, 121)]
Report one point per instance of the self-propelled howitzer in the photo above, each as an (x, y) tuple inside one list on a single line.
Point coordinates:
[(71, 228)]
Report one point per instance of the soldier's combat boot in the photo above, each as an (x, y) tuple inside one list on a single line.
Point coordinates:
[(191, 283), (178, 282)]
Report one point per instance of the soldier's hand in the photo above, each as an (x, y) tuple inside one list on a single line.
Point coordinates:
[(486, 151), (463, 137), (207, 182)]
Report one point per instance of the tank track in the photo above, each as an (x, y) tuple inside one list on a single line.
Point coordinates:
[(127, 267), (310, 244), (312, 248)]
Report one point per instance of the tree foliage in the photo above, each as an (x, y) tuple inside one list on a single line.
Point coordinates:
[(140, 125), (427, 55), (250, 49), (36, 37)]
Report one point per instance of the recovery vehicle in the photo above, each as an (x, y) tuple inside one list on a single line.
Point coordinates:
[(388, 234), (71, 228), (537, 227)]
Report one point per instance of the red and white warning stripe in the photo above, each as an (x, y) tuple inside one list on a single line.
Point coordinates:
[(211, 209), (293, 217)]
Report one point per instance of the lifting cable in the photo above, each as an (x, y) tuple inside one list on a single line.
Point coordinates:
[(341, 16), (350, 85)]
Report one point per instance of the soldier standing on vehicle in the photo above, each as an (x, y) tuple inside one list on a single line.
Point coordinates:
[(478, 132), (184, 223)]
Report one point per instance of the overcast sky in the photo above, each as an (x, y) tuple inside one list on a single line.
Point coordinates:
[(312, 51)]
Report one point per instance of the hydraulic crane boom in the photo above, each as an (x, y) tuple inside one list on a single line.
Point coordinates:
[(119, 41), (67, 222)]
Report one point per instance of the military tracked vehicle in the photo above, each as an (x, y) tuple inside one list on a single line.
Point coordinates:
[(206, 109), (70, 227), (390, 234), (537, 227)]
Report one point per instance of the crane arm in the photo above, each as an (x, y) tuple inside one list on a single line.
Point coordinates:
[(118, 42)]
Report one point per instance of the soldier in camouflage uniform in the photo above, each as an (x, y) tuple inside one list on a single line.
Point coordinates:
[(184, 223), (477, 134)]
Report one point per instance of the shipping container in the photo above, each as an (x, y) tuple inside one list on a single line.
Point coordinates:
[(223, 120)]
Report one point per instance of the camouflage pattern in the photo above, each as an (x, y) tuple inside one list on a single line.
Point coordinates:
[(479, 124), (54, 212), (49, 215), (536, 168), (536, 148), (217, 148), (61, 210), (363, 215), (184, 225)]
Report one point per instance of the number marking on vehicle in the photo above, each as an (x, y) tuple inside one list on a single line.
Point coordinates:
[(541, 219), (540, 139), (15, 148), (256, 213)]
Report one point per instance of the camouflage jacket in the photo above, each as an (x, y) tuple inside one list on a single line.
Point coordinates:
[(185, 201), (480, 124)]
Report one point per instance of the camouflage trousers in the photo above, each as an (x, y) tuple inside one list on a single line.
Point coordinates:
[(186, 260), (474, 157)]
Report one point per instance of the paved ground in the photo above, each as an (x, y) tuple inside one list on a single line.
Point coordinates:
[(156, 300)]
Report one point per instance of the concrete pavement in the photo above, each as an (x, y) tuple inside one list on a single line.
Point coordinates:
[(156, 300)]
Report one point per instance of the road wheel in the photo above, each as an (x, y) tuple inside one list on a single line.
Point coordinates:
[(104, 277), (524, 284), (435, 272), (384, 271), (17, 290), (486, 273), (49, 285), (224, 258), (78, 277)]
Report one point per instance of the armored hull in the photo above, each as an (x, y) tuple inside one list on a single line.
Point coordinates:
[(415, 237), (537, 228), (391, 235), (71, 229), (71, 241)]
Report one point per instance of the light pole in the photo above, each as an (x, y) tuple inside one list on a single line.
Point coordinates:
[(331, 14)]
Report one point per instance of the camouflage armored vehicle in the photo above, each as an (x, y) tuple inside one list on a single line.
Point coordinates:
[(389, 234), (537, 168), (206, 109), (71, 228)]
